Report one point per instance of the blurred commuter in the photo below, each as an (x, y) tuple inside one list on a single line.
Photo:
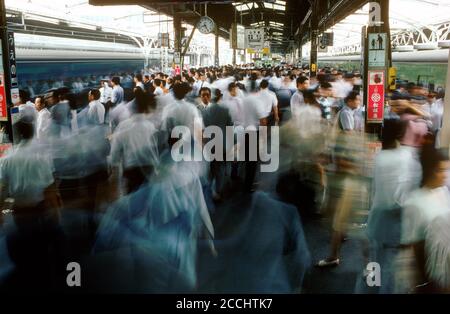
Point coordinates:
[(297, 100), (43, 120), (105, 92), (60, 113), (96, 111), (218, 115), (269, 104), (26, 107), (284, 94), (157, 86), (134, 145), (346, 117), (391, 189), (235, 105), (425, 212), (117, 92), (205, 99), (121, 112), (138, 81), (325, 100), (437, 113), (27, 176)]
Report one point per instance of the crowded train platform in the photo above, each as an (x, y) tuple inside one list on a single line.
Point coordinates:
[(260, 177)]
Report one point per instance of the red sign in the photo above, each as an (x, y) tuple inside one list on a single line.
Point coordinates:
[(375, 101), (3, 110), (4, 148)]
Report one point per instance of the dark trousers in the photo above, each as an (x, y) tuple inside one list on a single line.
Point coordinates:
[(37, 248), (250, 166), (136, 177)]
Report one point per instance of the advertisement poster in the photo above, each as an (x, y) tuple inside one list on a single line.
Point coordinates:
[(375, 101)]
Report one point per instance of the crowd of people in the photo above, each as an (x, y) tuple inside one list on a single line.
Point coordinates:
[(99, 184)]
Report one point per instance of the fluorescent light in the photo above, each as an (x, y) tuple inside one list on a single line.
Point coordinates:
[(84, 26), (41, 19)]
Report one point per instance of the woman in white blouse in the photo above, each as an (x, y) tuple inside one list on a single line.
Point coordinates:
[(425, 210)]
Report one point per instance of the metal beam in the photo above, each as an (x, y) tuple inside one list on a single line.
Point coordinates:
[(332, 16)]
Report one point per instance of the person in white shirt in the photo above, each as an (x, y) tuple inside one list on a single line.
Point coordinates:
[(182, 113), (275, 81), (342, 87), (235, 105), (26, 107), (121, 112), (43, 120), (223, 83), (78, 86), (138, 81), (297, 99), (134, 146), (423, 209), (106, 92), (26, 174), (437, 111), (392, 185), (158, 90), (254, 116), (269, 102), (117, 92), (96, 111), (200, 83)]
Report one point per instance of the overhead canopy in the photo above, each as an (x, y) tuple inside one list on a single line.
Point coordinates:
[(281, 18)]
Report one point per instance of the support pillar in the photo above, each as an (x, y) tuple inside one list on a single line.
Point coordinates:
[(444, 133), (380, 21), (300, 53), (314, 35), (234, 57), (178, 39), (216, 50), (6, 71)]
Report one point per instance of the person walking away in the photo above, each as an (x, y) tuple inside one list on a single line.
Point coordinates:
[(38, 240)]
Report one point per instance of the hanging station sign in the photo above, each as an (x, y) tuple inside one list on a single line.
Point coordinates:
[(164, 39), (254, 38)]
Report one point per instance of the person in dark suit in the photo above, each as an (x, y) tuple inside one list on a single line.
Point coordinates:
[(218, 115)]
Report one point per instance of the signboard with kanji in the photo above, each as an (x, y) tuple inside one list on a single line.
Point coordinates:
[(375, 96), (254, 38)]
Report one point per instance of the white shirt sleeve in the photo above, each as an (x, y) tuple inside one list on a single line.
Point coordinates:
[(274, 101), (347, 121), (296, 102), (101, 113), (413, 225)]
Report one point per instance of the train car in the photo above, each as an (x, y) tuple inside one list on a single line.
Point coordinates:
[(426, 67), (42, 60)]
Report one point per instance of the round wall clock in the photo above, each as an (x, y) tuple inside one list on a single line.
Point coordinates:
[(206, 25)]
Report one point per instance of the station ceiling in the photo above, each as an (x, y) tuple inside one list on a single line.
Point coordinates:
[(281, 18)]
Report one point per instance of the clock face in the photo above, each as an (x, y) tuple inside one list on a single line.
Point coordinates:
[(206, 25)]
